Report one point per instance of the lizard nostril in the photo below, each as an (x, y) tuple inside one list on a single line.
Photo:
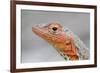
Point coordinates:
[(54, 28)]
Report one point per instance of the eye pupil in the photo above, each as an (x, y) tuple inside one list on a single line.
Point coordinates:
[(54, 28)]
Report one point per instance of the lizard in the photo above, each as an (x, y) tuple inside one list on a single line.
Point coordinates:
[(64, 43)]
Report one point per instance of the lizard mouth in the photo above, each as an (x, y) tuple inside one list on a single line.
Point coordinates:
[(40, 31), (37, 30)]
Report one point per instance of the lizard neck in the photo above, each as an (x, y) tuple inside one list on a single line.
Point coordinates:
[(68, 49), (71, 50)]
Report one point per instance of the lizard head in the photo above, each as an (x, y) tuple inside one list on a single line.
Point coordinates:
[(53, 33)]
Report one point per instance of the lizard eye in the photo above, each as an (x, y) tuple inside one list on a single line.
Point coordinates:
[(54, 28)]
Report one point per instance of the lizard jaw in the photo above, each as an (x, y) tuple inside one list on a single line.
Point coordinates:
[(40, 31), (37, 30)]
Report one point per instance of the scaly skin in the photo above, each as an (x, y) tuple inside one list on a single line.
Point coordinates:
[(54, 34)]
